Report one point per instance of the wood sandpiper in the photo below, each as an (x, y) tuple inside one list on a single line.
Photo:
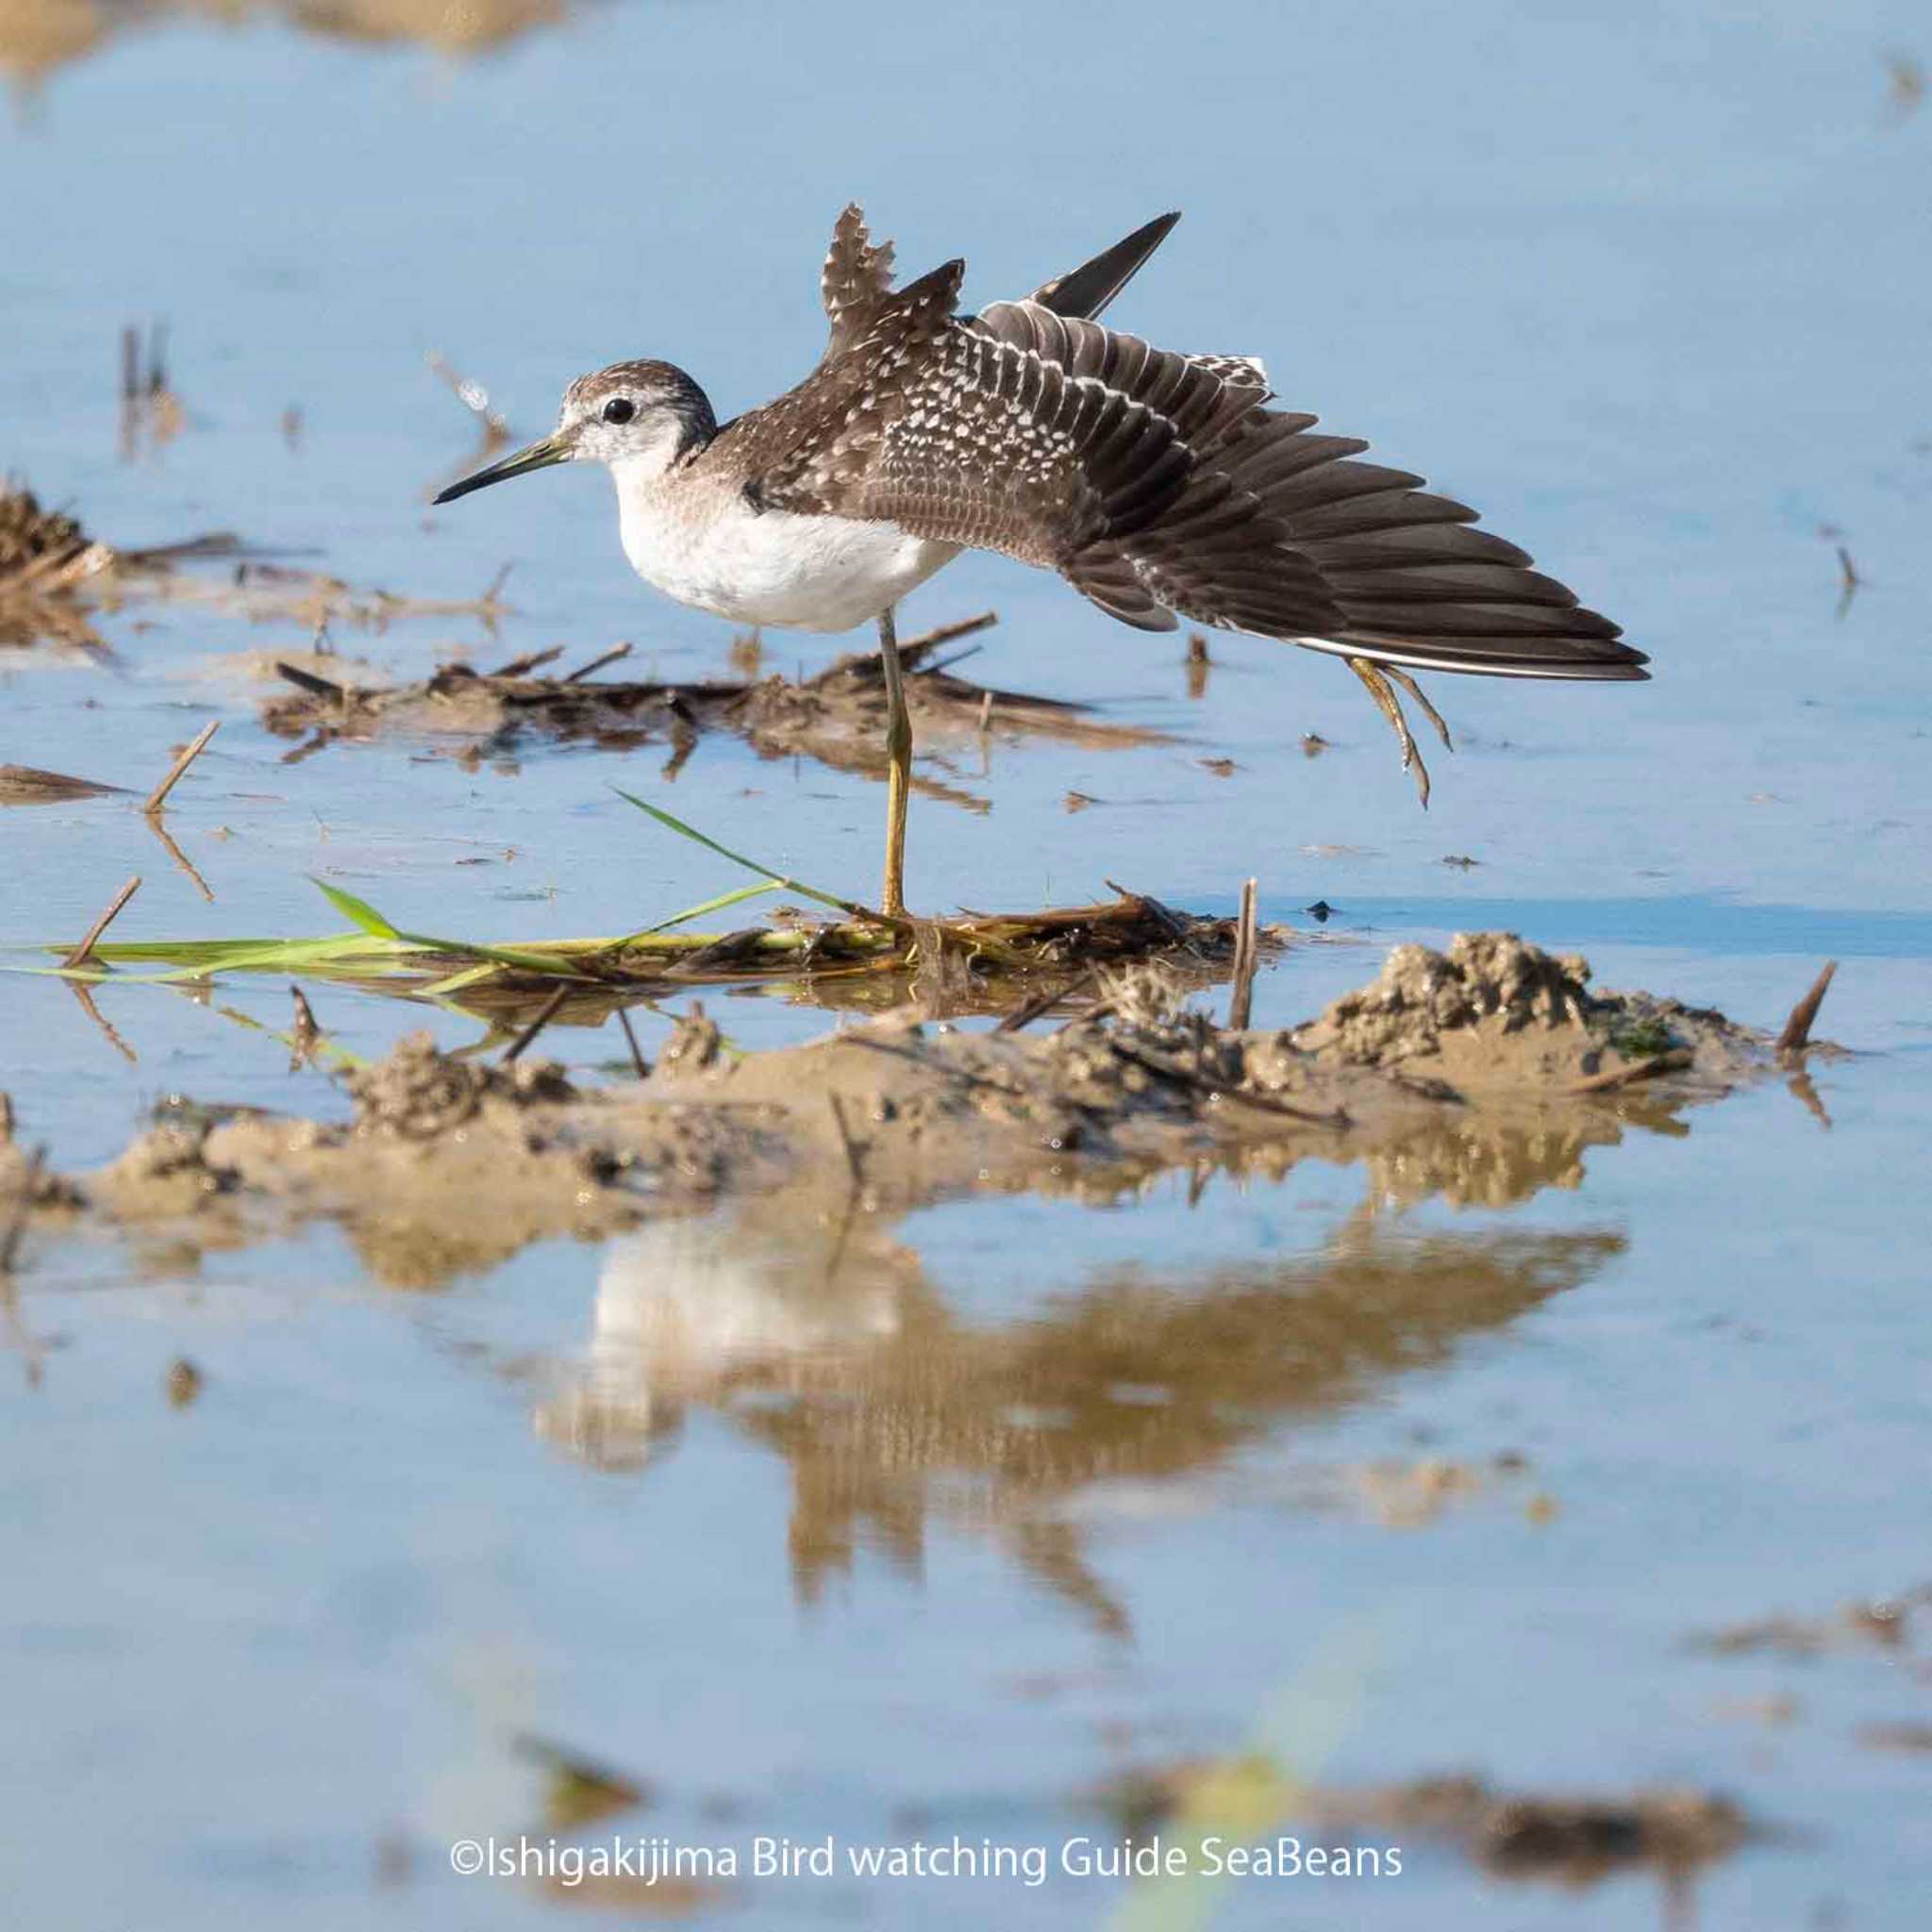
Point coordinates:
[(1159, 485)]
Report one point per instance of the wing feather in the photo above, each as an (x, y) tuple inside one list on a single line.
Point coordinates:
[(1156, 483), (856, 279)]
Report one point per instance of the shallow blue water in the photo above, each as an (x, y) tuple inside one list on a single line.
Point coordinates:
[(1648, 285)]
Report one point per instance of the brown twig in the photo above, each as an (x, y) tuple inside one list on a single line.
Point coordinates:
[(546, 1013), (852, 1160), (1797, 1033), (189, 754), (315, 686), (1029, 1010), (104, 922), (1673, 1061), (1246, 958), (584, 671), (931, 640), (531, 660), (1197, 1080), (630, 1039)]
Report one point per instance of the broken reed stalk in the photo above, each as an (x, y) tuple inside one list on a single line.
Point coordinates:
[(583, 671), (1029, 1010), (517, 667), (546, 1013), (189, 754), (1246, 958), (104, 922), (630, 1039), (1797, 1033), (1674, 1059), (965, 628)]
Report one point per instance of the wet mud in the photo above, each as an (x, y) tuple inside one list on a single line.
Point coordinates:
[(1478, 1075)]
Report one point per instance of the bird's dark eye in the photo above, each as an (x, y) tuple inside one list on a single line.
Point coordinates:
[(619, 410)]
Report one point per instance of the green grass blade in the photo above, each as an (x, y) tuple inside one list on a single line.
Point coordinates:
[(358, 911), (777, 878), (735, 897), (372, 922)]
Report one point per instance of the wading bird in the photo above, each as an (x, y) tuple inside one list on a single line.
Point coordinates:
[(1158, 485)]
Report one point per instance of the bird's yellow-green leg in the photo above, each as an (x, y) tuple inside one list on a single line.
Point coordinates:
[(898, 769)]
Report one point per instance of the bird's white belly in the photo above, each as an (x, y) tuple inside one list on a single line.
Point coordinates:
[(772, 567)]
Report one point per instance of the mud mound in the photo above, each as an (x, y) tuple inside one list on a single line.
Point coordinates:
[(1494, 1010)]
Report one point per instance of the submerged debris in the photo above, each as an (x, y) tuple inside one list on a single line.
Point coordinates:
[(46, 559), (38, 548), (43, 554), (835, 716), (28, 784), (1868, 1622), (1576, 1839), (967, 964)]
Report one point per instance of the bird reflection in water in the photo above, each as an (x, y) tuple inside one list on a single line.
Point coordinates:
[(800, 1318)]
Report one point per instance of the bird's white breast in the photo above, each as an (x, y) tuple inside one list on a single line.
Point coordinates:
[(714, 551)]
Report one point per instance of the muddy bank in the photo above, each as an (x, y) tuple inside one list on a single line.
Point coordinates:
[(1480, 1074)]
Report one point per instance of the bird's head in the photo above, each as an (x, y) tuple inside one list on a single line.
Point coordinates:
[(642, 416)]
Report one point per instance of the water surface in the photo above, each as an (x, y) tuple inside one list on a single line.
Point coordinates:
[(785, 1526)]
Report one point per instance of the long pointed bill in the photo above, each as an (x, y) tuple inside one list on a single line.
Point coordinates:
[(536, 456)]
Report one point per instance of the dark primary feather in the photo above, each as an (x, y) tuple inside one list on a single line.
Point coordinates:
[(1156, 483), (1086, 289)]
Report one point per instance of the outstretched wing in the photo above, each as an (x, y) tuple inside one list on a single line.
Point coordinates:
[(1156, 483), (1280, 531), (856, 279), (959, 437)]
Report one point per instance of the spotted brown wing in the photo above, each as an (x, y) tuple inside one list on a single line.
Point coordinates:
[(957, 435), (855, 282)]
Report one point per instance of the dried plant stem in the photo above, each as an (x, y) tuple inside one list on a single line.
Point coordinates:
[(104, 922), (638, 1061), (1246, 958), (546, 1013), (189, 754), (1797, 1033)]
